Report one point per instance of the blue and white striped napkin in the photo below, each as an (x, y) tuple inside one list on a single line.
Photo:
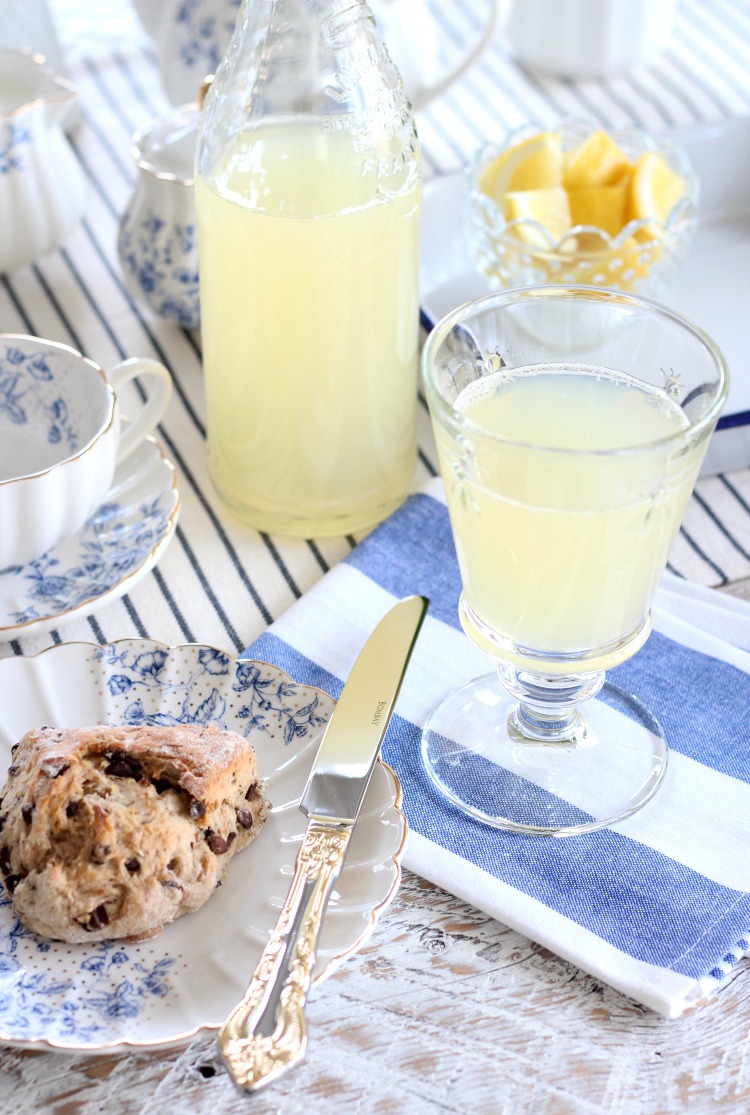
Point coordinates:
[(657, 906)]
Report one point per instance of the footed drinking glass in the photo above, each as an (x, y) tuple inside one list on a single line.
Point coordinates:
[(571, 423)]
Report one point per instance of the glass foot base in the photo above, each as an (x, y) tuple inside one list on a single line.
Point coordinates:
[(473, 753)]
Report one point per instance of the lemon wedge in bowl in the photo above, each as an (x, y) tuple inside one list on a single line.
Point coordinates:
[(549, 208), (599, 206), (535, 163), (597, 161), (655, 189)]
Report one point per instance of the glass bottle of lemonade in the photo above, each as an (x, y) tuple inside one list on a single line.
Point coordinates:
[(308, 189)]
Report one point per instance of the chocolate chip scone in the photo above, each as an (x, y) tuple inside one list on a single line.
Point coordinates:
[(115, 832)]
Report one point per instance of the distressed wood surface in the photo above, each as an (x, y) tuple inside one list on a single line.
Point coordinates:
[(443, 1010)]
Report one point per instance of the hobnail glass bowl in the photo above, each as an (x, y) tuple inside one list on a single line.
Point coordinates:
[(644, 256)]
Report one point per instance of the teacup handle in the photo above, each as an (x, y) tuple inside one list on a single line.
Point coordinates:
[(498, 13), (153, 409)]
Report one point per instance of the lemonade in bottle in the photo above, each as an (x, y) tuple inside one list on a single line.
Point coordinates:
[(308, 191)]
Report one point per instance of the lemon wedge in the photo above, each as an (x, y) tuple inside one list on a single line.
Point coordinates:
[(534, 164), (600, 206), (598, 161), (550, 207), (655, 189)]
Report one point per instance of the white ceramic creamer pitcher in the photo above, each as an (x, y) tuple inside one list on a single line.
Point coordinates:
[(42, 185), (157, 240)]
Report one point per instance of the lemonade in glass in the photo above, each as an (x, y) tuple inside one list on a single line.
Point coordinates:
[(571, 424)]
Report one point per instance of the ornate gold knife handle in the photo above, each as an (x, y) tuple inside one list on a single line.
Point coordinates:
[(266, 1033)]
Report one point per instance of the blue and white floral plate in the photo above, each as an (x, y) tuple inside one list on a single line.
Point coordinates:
[(120, 543), (161, 992)]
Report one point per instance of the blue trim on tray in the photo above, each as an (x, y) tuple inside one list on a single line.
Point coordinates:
[(742, 418)]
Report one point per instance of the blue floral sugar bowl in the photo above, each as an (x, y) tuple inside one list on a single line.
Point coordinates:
[(157, 242)]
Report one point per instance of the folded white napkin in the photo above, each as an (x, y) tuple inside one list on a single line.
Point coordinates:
[(658, 906)]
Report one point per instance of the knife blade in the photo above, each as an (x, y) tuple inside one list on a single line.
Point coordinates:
[(266, 1033)]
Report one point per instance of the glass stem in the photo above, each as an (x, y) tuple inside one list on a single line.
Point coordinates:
[(548, 710)]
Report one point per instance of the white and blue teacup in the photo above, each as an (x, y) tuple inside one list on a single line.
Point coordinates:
[(61, 438)]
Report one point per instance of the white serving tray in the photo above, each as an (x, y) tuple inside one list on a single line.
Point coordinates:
[(713, 287)]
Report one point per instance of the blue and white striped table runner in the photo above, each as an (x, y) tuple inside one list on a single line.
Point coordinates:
[(219, 582), (659, 905)]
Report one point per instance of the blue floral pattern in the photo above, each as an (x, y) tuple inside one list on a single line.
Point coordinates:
[(30, 395), (119, 542), (110, 992), (105, 984), (203, 37), (160, 259), (15, 146), (114, 543), (146, 692)]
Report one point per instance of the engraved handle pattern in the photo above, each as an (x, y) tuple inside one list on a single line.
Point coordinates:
[(255, 1058)]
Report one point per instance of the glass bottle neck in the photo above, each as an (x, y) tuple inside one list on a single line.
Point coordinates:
[(305, 65)]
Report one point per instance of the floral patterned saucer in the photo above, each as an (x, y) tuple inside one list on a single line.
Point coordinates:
[(161, 992), (122, 540)]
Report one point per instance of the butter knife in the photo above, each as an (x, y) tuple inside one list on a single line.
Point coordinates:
[(266, 1033)]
